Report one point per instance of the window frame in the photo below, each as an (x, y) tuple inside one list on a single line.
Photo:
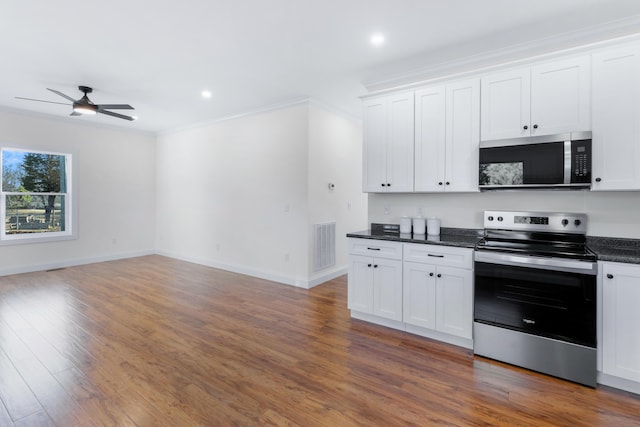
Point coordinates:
[(70, 203)]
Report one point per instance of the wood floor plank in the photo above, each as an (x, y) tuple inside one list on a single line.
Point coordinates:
[(5, 418), (16, 395), (39, 419), (157, 341)]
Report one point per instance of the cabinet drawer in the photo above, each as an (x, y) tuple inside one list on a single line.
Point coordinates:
[(439, 255), (376, 248)]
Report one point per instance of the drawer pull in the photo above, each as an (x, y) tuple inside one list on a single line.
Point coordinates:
[(435, 256), (609, 276), (373, 249)]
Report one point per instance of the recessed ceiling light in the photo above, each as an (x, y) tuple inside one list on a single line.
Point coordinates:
[(206, 94), (377, 39)]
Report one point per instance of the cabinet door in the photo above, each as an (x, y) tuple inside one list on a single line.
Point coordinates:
[(360, 283), (616, 119), (561, 96), (462, 135), (400, 143), (454, 301), (505, 105), (430, 139), (621, 321), (387, 288), (374, 165), (419, 293)]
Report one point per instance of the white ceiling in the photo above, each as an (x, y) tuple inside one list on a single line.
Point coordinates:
[(252, 54)]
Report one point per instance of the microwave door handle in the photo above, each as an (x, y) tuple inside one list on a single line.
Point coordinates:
[(567, 162)]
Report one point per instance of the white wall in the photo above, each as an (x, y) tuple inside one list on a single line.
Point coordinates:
[(243, 194), (115, 181), (233, 194), (335, 155), (611, 214)]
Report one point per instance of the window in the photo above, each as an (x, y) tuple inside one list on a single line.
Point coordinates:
[(35, 196)]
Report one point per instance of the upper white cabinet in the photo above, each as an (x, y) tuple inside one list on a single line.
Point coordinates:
[(616, 119), (388, 143), (447, 131), (505, 105), (542, 100), (621, 321)]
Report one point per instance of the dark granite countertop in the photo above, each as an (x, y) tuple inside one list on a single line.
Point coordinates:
[(607, 248), (460, 237), (615, 249)]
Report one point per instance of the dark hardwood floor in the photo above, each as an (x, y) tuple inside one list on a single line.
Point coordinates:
[(153, 341)]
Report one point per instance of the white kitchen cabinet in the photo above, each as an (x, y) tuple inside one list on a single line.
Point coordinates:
[(620, 349), (545, 99), (419, 294), (437, 296), (447, 132), (616, 119), (505, 104), (375, 280), (430, 141), (388, 143)]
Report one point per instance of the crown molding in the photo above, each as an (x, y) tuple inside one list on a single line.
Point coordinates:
[(260, 110), (572, 42), (267, 108)]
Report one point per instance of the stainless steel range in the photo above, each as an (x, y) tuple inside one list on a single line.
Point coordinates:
[(535, 293)]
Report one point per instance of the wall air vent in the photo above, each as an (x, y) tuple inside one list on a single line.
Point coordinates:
[(324, 246)]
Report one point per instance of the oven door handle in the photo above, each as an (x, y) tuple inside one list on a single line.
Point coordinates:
[(584, 267)]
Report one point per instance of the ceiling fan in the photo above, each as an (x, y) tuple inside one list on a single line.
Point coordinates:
[(85, 106)]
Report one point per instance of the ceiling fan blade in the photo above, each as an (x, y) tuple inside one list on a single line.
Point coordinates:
[(111, 113), (115, 107), (41, 100), (62, 95)]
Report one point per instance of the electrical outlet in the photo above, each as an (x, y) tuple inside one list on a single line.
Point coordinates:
[(387, 210)]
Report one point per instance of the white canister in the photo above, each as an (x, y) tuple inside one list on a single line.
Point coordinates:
[(419, 225), (433, 226), (405, 225)]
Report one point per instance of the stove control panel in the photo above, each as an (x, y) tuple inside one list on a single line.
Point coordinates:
[(555, 222)]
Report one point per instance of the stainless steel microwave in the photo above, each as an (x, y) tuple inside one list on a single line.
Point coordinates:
[(561, 161)]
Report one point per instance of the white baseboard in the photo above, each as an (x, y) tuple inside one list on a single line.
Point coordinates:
[(286, 280), (326, 276), (621, 383), (70, 263)]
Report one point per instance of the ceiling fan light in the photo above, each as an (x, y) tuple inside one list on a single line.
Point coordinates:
[(85, 109)]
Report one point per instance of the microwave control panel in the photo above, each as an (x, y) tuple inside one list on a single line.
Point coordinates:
[(581, 164)]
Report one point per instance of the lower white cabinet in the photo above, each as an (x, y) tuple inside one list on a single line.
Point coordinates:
[(620, 346), (439, 297), (375, 278), (375, 286), (422, 289)]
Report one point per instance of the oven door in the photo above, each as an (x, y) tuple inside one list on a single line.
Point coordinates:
[(548, 297)]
